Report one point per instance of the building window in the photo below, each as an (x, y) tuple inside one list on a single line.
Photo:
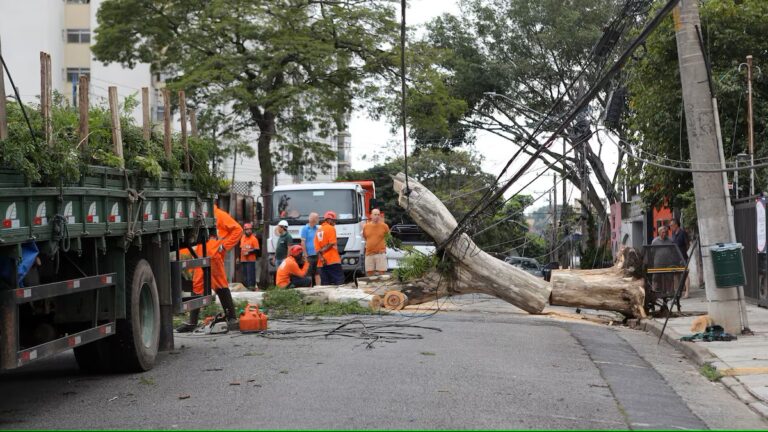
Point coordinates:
[(78, 36), (74, 74), (78, 1)]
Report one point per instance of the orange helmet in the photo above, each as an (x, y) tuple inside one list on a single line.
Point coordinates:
[(296, 250), (248, 226), (330, 215)]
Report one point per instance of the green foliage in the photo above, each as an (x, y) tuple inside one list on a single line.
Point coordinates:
[(66, 160), (731, 31), (415, 265), (456, 177), (281, 303), (291, 70), (710, 372)]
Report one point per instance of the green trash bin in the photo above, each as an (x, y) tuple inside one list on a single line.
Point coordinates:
[(728, 264)]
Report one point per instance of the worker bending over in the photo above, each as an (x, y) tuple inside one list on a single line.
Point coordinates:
[(216, 248), (292, 273)]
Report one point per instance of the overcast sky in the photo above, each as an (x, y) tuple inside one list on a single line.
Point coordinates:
[(369, 137)]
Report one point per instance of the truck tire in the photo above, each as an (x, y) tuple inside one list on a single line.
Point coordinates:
[(137, 338)]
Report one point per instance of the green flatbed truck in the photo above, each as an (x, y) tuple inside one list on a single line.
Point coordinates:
[(89, 266)]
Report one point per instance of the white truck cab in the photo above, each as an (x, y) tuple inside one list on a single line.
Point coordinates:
[(293, 203)]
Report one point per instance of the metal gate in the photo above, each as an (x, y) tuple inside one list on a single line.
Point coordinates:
[(755, 264)]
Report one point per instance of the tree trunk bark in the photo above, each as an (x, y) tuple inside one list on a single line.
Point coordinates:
[(487, 273), (474, 271), (603, 289), (266, 122)]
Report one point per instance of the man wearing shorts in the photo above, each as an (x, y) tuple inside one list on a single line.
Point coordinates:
[(375, 234)]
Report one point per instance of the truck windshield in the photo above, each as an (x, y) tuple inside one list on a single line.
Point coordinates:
[(296, 205)]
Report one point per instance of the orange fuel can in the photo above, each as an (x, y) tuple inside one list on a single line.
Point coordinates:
[(252, 320)]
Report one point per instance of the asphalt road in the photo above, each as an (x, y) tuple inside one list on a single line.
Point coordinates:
[(469, 370)]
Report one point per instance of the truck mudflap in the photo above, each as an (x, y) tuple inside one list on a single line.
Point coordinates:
[(186, 304), (11, 356)]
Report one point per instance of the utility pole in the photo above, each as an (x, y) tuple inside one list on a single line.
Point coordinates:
[(750, 127), (715, 214), (146, 122)]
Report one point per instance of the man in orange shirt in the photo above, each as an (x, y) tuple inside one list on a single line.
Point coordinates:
[(328, 256), (375, 233), (228, 233), (249, 250), (293, 270)]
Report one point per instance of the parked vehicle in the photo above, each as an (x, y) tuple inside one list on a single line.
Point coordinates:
[(528, 264), (88, 266), (411, 236)]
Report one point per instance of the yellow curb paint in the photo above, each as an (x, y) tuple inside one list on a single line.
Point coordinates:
[(744, 371)]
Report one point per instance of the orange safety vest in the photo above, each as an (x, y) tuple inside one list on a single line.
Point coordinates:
[(326, 234), (248, 244), (288, 268)]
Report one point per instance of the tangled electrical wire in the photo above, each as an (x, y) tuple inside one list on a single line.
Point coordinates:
[(367, 330)]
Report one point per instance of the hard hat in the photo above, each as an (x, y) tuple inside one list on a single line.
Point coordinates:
[(283, 223), (248, 226), (296, 250), (330, 215)]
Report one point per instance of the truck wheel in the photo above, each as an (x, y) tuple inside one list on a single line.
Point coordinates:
[(137, 338)]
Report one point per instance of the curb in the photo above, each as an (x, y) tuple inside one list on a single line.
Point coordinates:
[(701, 356)]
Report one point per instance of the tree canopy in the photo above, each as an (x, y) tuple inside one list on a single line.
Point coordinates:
[(291, 70), (456, 177), (730, 32)]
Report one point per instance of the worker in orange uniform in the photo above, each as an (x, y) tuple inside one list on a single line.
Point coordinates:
[(227, 236), (328, 256), (249, 251), (293, 270)]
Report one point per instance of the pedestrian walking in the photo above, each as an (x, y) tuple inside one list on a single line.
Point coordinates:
[(284, 241), (328, 258), (249, 252), (228, 233), (680, 238), (292, 273), (664, 255), (375, 233), (307, 234)]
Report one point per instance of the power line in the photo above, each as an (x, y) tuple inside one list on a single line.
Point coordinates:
[(573, 112)]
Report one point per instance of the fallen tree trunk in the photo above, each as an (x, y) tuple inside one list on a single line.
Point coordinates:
[(474, 271), (608, 290), (486, 273)]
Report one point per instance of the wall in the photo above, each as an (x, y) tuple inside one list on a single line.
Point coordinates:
[(128, 81), (26, 28)]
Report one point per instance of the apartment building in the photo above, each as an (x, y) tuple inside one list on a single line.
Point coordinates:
[(65, 30)]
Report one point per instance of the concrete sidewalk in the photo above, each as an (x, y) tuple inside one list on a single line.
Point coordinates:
[(743, 362)]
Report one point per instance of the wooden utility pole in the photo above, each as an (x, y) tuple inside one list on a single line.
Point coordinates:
[(83, 105), (750, 127), (184, 143), (146, 123), (3, 108), (117, 133), (167, 124), (46, 95), (193, 122), (715, 214)]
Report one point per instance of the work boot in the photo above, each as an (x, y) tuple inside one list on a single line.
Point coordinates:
[(190, 325), (225, 296)]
